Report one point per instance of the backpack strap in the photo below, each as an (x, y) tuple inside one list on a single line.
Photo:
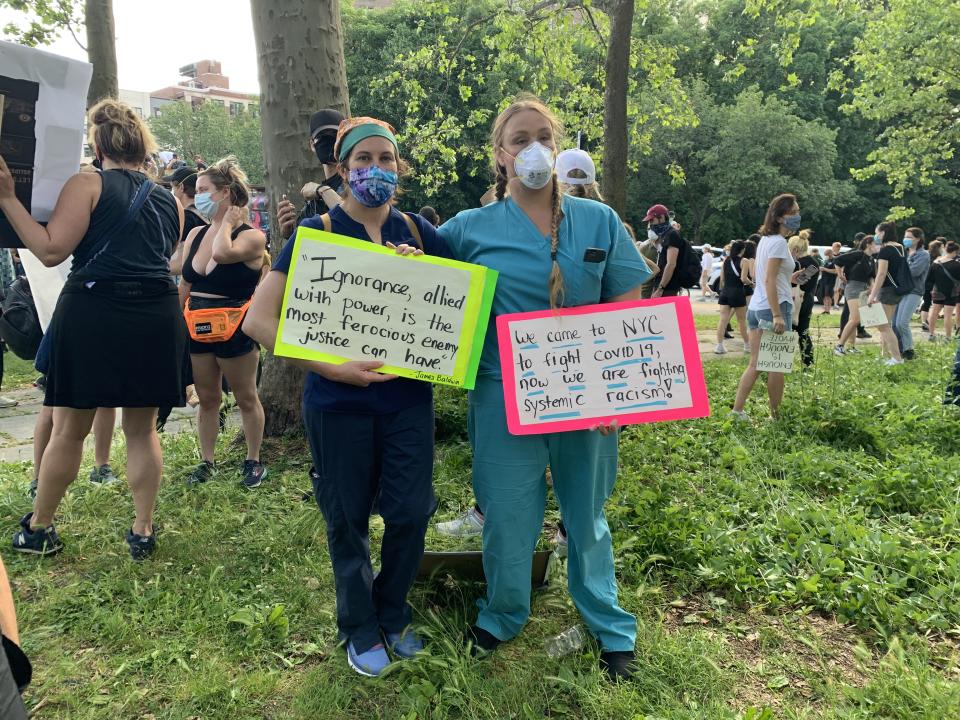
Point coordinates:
[(327, 223), (133, 210), (414, 230)]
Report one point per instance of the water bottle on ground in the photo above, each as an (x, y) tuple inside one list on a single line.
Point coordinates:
[(567, 642)]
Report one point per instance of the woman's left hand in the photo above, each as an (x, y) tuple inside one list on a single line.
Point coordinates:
[(404, 249), (871, 300), (235, 217), (606, 429), (7, 190)]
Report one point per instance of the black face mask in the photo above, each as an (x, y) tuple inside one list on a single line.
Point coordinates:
[(323, 146)]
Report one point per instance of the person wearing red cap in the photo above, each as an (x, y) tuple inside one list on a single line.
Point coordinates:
[(671, 248)]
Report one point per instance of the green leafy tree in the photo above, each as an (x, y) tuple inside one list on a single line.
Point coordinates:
[(209, 130)]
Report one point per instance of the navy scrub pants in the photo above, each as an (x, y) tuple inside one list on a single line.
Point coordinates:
[(357, 457)]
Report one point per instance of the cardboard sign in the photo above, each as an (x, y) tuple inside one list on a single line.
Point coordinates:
[(41, 138), (346, 299), (776, 351), (633, 362), (871, 315)]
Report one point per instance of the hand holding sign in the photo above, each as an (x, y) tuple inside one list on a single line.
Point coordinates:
[(6, 181), (417, 316), (601, 366)]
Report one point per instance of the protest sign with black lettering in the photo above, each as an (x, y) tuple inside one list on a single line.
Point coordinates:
[(424, 317), (871, 315), (776, 351), (572, 369)]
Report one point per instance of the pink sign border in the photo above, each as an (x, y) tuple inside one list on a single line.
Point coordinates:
[(688, 341)]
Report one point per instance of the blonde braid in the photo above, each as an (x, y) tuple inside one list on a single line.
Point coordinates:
[(556, 277), (501, 183)]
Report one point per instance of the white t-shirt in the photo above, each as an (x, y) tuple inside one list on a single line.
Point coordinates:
[(706, 262), (772, 246)]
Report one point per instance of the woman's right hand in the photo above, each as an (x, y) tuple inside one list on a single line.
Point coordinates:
[(778, 325), (286, 217), (358, 372), (7, 188)]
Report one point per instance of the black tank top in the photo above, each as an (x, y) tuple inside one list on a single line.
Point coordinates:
[(731, 274), (143, 249), (231, 280)]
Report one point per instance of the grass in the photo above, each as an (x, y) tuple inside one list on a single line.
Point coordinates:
[(17, 373), (803, 568)]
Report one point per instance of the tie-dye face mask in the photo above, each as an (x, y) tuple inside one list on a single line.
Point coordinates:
[(372, 186)]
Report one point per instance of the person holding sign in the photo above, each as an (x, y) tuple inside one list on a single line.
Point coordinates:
[(771, 305), (118, 336), (551, 251), (222, 264), (891, 263), (369, 432)]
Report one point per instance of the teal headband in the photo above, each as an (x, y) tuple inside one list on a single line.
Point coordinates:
[(362, 132)]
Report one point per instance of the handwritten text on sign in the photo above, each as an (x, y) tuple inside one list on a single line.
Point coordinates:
[(347, 299), (776, 351), (632, 362)]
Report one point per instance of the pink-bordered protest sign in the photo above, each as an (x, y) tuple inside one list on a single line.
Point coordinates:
[(575, 368)]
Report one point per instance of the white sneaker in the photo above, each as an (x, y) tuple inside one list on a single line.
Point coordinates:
[(739, 415), (746, 347), (468, 524), (6, 402), (838, 350), (892, 361), (560, 541), (719, 349)]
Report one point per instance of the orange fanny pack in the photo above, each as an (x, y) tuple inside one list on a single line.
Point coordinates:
[(212, 325)]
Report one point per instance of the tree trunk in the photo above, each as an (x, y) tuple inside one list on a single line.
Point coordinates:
[(615, 144), (302, 69), (101, 51)]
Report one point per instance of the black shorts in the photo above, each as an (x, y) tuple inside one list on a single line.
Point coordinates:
[(237, 346), (732, 297), (941, 298)]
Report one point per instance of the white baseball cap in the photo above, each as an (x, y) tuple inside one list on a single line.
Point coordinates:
[(570, 160)]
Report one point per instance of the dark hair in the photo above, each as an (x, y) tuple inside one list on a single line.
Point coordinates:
[(952, 246), (936, 248), (858, 237), (776, 210), (737, 247), (226, 173), (918, 236), (889, 230), (189, 185), (865, 242), (750, 251), (755, 239), (430, 214)]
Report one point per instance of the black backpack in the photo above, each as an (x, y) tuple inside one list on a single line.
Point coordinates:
[(688, 268), (19, 324)]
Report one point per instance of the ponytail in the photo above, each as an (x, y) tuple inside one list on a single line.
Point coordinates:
[(226, 173), (556, 277)]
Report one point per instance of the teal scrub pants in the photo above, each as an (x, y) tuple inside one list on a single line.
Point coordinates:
[(508, 481)]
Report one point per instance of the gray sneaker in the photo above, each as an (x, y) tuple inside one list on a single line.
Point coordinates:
[(6, 402), (103, 475), (468, 524)]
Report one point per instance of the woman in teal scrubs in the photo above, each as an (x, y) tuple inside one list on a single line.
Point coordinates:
[(551, 251)]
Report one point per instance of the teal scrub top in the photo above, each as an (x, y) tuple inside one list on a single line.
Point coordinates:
[(501, 236)]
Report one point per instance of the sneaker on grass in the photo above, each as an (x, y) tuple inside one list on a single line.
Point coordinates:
[(479, 642), (141, 546), (468, 524), (405, 645), (202, 473), (103, 475), (719, 349), (40, 541), (370, 663), (254, 473), (617, 664), (6, 402)]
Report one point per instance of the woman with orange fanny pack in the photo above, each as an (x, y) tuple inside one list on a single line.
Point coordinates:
[(221, 268)]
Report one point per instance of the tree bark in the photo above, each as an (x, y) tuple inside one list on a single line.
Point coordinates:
[(302, 69), (101, 51), (615, 144)]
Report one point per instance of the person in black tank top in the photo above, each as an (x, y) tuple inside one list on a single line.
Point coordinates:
[(116, 338), (733, 297), (222, 265)]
